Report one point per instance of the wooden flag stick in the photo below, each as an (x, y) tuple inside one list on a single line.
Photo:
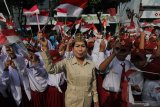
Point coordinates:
[(39, 29)]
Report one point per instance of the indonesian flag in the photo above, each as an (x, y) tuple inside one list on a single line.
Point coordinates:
[(85, 27), (148, 31), (74, 7), (62, 12), (28, 27), (144, 24), (33, 10), (2, 18), (78, 23), (8, 36), (43, 18), (95, 31), (3, 39), (156, 22)]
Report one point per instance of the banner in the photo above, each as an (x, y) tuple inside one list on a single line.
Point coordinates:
[(150, 2), (151, 14)]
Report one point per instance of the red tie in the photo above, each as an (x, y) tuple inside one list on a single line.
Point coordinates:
[(124, 84)]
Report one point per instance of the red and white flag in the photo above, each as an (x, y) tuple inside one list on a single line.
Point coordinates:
[(33, 10), (78, 23), (9, 36), (2, 18), (62, 12), (95, 31), (43, 18), (156, 22), (85, 27), (74, 7), (28, 27)]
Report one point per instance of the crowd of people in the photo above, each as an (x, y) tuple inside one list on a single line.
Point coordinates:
[(81, 71)]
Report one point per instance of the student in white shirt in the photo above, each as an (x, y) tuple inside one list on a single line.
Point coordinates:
[(112, 66), (18, 78)]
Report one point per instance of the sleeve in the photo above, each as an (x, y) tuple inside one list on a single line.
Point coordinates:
[(49, 66), (99, 59), (94, 87), (5, 78)]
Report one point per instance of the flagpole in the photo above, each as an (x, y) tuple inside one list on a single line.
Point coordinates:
[(39, 29), (7, 8)]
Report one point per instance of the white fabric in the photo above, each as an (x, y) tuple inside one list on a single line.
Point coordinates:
[(15, 85), (3, 84), (21, 66), (136, 79), (37, 78), (113, 78), (150, 94), (55, 79)]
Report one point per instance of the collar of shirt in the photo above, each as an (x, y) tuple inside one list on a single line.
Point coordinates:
[(74, 61)]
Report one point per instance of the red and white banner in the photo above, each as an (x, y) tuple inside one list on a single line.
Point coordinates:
[(33, 10), (2, 18), (74, 7)]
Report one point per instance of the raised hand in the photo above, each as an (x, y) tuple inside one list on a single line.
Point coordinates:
[(102, 47)]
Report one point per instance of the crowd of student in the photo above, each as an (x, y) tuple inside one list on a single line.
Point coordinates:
[(81, 71)]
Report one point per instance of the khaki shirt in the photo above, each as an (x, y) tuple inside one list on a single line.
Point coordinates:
[(81, 80)]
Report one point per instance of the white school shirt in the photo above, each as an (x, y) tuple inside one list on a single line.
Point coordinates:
[(114, 71), (37, 78), (22, 71), (56, 80), (15, 85)]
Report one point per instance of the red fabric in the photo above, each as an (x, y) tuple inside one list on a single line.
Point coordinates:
[(38, 99), (124, 87), (32, 10), (153, 67), (102, 94), (54, 98), (125, 92), (79, 3), (3, 39), (112, 11), (112, 100)]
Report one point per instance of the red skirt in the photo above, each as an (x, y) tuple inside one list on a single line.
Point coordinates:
[(38, 99), (25, 101), (102, 94), (54, 97)]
